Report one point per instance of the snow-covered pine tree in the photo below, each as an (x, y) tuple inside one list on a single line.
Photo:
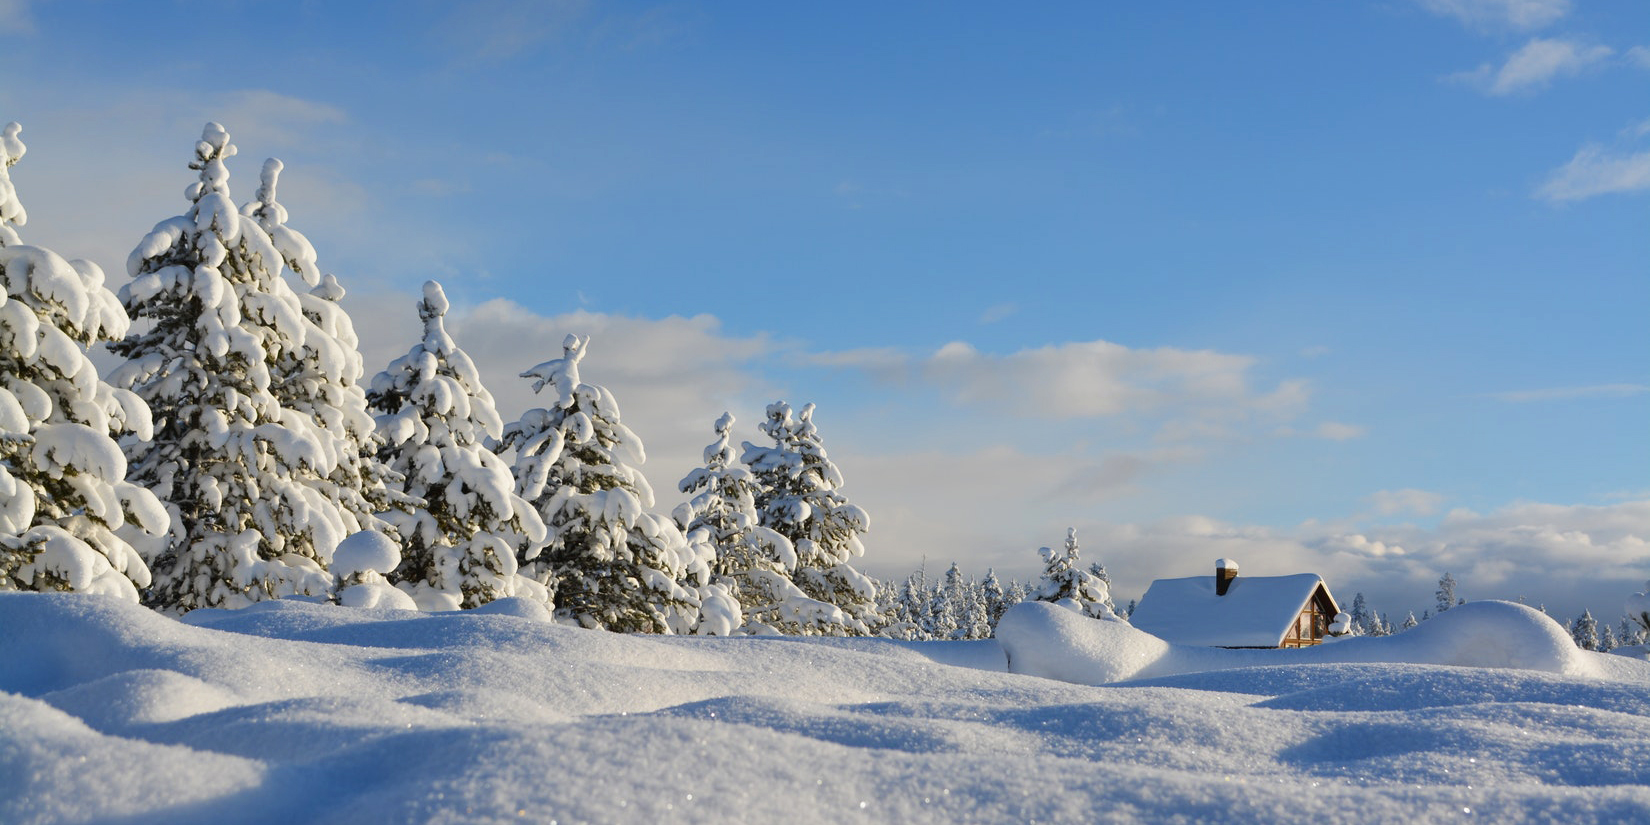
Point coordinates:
[(1445, 593), (1065, 582), (907, 617), (1637, 608), (321, 378), (231, 464), (63, 488), (1606, 638), (1098, 570), (1409, 621), (798, 496), (753, 561), (1363, 619), (1584, 630), (434, 417), (995, 597), (612, 563)]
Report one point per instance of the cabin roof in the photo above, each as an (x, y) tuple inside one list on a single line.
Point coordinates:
[(1257, 611)]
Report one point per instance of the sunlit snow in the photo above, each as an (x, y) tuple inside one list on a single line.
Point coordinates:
[(289, 711)]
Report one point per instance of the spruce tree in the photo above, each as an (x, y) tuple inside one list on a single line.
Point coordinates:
[(321, 378), (996, 598), (612, 563), (460, 549), (1446, 593), (798, 496), (754, 562), (1064, 581), (232, 465), (1584, 630), (63, 488)]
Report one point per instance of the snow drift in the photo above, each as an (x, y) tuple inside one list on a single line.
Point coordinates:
[(289, 711)]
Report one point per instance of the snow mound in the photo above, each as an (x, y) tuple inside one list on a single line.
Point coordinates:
[(1043, 640), (365, 550)]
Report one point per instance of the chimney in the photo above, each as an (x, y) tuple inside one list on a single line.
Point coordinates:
[(1225, 571)]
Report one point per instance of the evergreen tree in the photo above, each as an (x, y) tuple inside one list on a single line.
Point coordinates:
[(63, 488), (1584, 630), (798, 496), (1363, 619), (1409, 621), (612, 563), (234, 467), (1446, 593), (752, 561), (1606, 639), (1637, 608), (1064, 580), (321, 377), (460, 548), (1098, 570), (995, 597)]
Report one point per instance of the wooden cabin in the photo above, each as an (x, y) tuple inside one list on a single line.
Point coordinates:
[(1228, 611)]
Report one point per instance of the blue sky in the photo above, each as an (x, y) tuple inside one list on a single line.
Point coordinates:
[(1350, 287)]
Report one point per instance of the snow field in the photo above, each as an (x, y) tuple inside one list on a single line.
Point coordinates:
[(292, 711)]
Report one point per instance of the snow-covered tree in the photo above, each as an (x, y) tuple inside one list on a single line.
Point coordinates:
[(234, 467), (754, 562), (321, 377), (994, 595), (1363, 619), (611, 563), (63, 488), (1409, 621), (1638, 609), (907, 610), (1065, 581), (1584, 630), (798, 496), (1446, 593), (434, 418), (1606, 639)]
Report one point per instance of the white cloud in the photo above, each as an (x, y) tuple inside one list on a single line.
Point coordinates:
[(1499, 14), (1535, 66), (1407, 500), (1640, 56), (1567, 393), (998, 312), (492, 31), (1090, 379), (1595, 171)]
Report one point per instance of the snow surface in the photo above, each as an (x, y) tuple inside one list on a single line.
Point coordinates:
[(288, 711)]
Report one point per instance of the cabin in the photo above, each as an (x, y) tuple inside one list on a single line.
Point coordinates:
[(1228, 611)]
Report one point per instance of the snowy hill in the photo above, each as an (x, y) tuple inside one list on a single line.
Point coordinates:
[(296, 712)]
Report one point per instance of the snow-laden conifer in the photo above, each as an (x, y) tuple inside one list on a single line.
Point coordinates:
[(320, 379), (612, 563), (1064, 582), (230, 462), (1445, 594), (995, 596), (1584, 630), (755, 562), (63, 488), (435, 418), (798, 496)]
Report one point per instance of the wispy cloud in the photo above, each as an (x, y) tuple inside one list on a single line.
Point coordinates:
[(998, 312), (1407, 500), (1089, 379), (1521, 15), (489, 32), (1567, 393), (1535, 66), (15, 17), (1597, 170)]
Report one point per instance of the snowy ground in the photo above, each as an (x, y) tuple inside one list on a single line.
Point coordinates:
[(296, 712)]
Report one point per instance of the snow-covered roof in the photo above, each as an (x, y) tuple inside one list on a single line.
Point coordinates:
[(1257, 611)]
